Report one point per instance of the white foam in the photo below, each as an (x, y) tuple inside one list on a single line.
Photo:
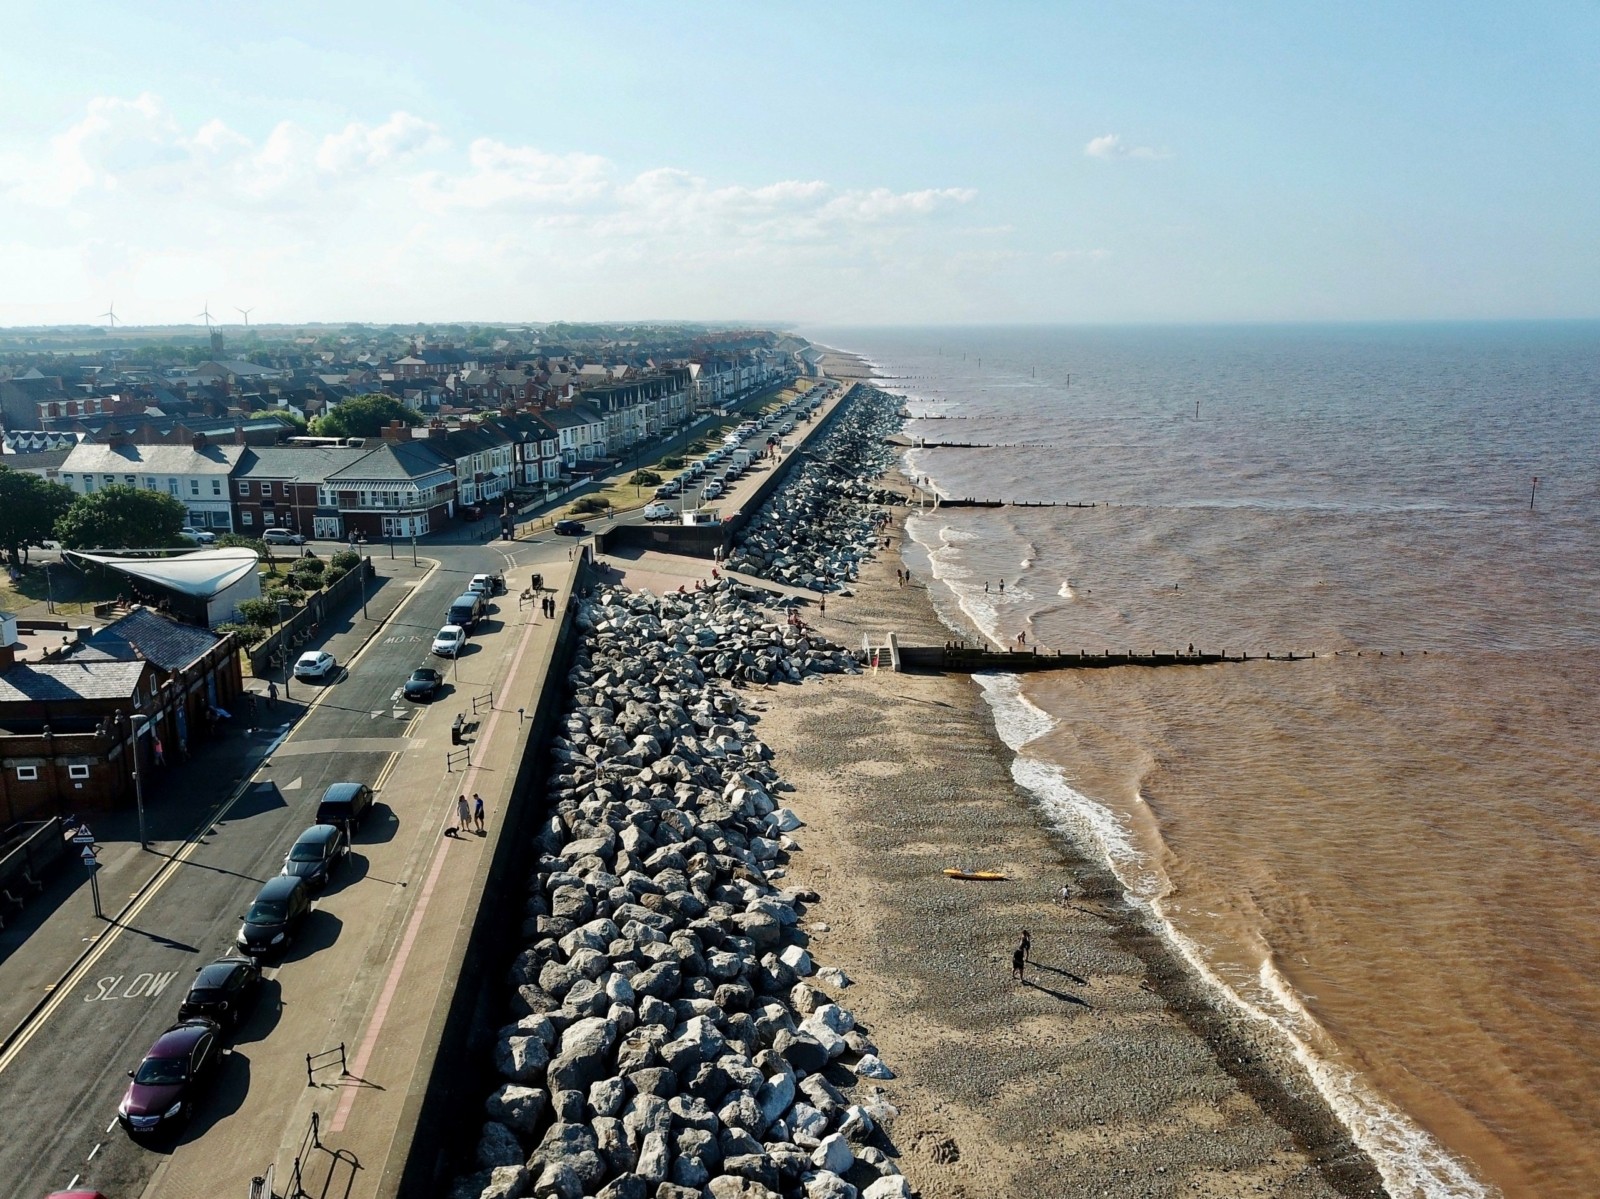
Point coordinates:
[(1412, 1164), (1065, 591)]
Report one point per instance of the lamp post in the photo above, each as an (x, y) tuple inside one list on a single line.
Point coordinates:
[(138, 775), (283, 649)]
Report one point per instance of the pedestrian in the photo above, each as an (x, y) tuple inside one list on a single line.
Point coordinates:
[(1018, 959), (822, 606), (272, 694), (1022, 639), (160, 752), (986, 586), (463, 815), (477, 810), (1026, 947), (250, 705), (1002, 586), (1063, 895)]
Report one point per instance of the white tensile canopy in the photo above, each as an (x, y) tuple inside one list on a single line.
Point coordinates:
[(218, 579)]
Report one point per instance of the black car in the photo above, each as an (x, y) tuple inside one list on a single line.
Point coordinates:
[(345, 804), (571, 528), (222, 991), (270, 923), (162, 1092), (315, 853), (423, 683)]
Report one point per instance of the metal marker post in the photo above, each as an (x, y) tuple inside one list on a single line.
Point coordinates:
[(93, 866)]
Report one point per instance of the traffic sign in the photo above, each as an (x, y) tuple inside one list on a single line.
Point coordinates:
[(83, 838), (88, 857)]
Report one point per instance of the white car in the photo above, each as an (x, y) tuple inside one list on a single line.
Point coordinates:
[(203, 536), (660, 512), (447, 642), (713, 490), (315, 664)]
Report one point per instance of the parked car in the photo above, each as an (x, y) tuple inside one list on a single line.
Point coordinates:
[(283, 537), (423, 683), (482, 585), (173, 1071), (269, 924), (466, 610), (222, 991), (201, 536), (345, 804), (713, 490), (447, 642), (315, 664), (571, 528), (668, 489), (660, 512), (315, 853)]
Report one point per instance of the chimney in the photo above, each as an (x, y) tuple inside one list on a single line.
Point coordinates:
[(8, 657), (199, 441), (396, 431), (238, 435)]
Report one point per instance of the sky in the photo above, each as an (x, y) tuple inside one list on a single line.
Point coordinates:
[(878, 163)]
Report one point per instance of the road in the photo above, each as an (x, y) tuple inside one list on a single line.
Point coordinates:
[(68, 1074)]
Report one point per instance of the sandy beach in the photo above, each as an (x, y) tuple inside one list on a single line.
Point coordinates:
[(1108, 1071)]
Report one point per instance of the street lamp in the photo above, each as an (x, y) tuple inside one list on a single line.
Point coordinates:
[(138, 775)]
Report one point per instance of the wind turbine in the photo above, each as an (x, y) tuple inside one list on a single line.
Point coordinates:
[(111, 314), (246, 313), (205, 313)]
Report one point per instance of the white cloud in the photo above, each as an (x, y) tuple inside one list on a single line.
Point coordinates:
[(1111, 145), (395, 219)]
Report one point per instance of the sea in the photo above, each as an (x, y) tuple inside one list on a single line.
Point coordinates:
[(1388, 854)]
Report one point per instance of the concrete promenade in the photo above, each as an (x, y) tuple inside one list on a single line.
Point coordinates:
[(384, 989)]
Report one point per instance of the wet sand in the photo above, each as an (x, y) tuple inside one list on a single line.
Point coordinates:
[(1108, 1071)]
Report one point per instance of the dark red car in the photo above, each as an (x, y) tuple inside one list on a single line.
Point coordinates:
[(162, 1092)]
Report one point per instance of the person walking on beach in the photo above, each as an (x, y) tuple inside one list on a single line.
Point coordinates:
[(477, 810), (1018, 960), (1063, 895), (1026, 948), (1002, 586), (463, 816)]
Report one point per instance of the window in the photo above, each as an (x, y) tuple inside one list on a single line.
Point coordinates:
[(244, 487), (77, 772), (128, 479), (27, 774), (172, 486), (247, 518), (110, 480), (216, 486), (88, 484), (194, 486), (283, 489), (149, 483)]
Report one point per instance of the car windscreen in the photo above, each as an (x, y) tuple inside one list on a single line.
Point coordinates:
[(161, 1071), (306, 851), (266, 911)]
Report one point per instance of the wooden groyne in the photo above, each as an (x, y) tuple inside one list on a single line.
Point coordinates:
[(969, 659), (941, 502)]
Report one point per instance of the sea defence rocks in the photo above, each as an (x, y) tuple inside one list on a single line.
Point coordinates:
[(672, 1034), (815, 530)]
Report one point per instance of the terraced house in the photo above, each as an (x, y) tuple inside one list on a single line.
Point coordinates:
[(196, 475)]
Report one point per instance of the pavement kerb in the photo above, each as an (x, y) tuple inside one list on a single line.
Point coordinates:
[(18, 1035)]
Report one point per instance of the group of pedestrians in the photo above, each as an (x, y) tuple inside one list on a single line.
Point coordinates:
[(1023, 953), (467, 816)]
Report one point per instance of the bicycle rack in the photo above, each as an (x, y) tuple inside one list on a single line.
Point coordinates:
[(479, 702), (316, 1061), (457, 757)]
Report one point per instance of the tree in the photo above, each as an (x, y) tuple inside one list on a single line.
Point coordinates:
[(363, 416), (121, 518), (29, 509)]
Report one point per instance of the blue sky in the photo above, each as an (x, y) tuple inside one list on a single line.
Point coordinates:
[(884, 163)]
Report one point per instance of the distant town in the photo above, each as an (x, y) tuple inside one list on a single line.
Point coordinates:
[(245, 427)]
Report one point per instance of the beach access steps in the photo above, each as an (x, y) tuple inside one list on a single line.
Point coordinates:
[(961, 658)]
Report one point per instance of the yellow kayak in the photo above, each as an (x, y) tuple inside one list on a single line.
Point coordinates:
[(977, 876)]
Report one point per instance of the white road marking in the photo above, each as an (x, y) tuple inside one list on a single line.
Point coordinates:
[(95, 1150), (293, 784)]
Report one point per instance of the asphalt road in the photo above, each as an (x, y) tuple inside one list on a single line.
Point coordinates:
[(65, 1081)]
